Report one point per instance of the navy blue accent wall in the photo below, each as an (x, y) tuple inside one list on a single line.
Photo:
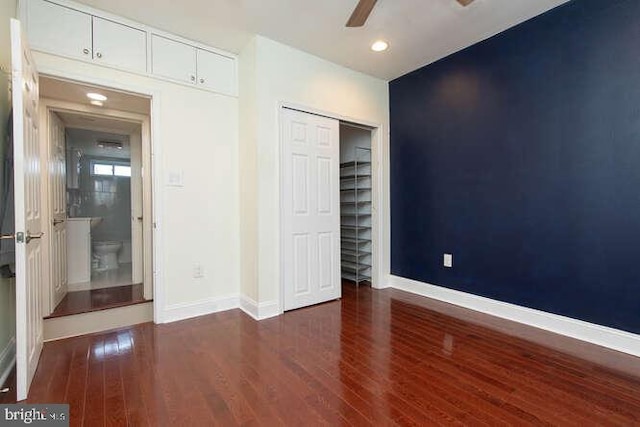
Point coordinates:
[(521, 156)]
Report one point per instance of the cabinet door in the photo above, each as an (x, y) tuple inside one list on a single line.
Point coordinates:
[(173, 59), (58, 29), (119, 45), (216, 72)]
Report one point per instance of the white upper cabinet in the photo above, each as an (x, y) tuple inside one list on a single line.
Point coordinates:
[(71, 29), (59, 29), (173, 59), (119, 45), (189, 64), (216, 72)]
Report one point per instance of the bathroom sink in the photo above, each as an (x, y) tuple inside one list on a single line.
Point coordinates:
[(95, 221)]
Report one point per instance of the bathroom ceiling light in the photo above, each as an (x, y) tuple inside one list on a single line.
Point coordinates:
[(96, 96), (379, 46), (110, 145), (97, 103)]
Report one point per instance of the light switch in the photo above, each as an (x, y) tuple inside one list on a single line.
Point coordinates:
[(174, 179)]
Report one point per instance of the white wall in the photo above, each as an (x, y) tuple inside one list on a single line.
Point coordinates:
[(7, 11), (350, 138), (248, 173), (284, 74), (7, 286), (197, 135)]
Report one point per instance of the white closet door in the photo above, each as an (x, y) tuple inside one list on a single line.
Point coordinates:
[(59, 29), (216, 72), (173, 59), (310, 209), (119, 45)]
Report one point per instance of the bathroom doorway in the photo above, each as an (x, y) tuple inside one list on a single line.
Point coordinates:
[(97, 150), (103, 186)]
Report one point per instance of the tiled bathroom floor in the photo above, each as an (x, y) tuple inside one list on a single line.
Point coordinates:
[(105, 279)]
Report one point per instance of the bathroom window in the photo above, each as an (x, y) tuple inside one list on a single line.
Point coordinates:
[(102, 168), (120, 170)]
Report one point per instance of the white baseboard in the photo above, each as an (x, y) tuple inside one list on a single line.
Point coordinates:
[(7, 360), (260, 311), (615, 339), (177, 312)]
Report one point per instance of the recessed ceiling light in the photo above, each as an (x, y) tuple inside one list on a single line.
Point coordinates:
[(379, 46), (97, 103), (96, 96)]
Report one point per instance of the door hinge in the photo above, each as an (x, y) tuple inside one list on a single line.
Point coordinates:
[(20, 237)]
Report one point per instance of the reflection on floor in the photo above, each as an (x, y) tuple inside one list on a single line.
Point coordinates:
[(105, 279), (99, 299), (375, 357)]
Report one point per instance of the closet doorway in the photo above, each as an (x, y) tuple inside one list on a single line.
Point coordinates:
[(327, 211), (356, 199)]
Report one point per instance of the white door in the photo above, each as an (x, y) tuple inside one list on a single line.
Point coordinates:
[(58, 29), (310, 209), (28, 213), (119, 45), (137, 245), (58, 209)]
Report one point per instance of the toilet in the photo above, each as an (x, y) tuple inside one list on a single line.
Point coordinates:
[(107, 253)]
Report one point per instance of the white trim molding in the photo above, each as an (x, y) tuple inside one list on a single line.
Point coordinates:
[(57, 328), (183, 311), (261, 311), (7, 360), (611, 338)]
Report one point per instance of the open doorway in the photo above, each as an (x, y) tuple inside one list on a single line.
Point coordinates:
[(355, 203), (97, 201)]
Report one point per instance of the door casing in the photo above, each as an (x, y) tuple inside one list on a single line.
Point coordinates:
[(52, 106)]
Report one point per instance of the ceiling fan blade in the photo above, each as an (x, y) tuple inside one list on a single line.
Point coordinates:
[(361, 13), (465, 2)]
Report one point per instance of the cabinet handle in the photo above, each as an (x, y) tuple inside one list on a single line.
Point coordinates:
[(193, 78), (201, 80), (85, 51), (99, 55)]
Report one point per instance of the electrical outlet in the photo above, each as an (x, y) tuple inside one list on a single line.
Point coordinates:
[(448, 260), (198, 271)]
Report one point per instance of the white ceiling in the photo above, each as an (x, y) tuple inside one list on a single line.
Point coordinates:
[(419, 31), (62, 90), (87, 142), (98, 123)]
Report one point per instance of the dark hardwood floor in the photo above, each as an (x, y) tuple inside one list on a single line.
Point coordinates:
[(374, 357), (99, 299)]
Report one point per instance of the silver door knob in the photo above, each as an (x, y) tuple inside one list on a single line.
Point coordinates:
[(99, 55), (31, 237), (201, 80), (85, 51), (193, 78)]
